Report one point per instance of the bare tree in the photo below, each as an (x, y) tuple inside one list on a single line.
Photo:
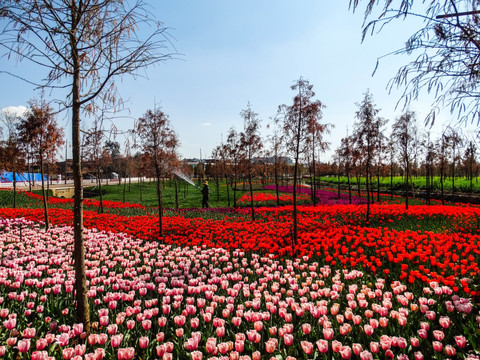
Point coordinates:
[(92, 152), (345, 154), (83, 46), (250, 145), (276, 141), (367, 129), (454, 140), (316, 142), (40, 131), (297, 120), (11, 152), (470, 161), (159, 141), (404, 135), (446, 51), (233, 151)]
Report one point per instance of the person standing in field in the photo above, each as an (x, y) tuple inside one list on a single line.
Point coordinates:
[(205, 193)]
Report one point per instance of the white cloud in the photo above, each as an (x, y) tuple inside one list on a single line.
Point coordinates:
[(18, 110), (207, 124)]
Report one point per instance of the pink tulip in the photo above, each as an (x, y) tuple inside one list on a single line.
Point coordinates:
[(112, 329), (11, 341), (146, 324), (374, 347), (306, 328), (346, 352), (307, 347), (196, 355), (357, 348), (322, 346), (116, 340), (444, 322), (68, 353), (126, 353), (336, 346), (239, 345), (422, 333), (160, 350), (29, 333), (438, 335), (366, 355), (103, 320), (437, 346), (143, 342), (41, 344), (211, 346), (450, 350), (220, 331), (179, 332), (160, 336), (23, 345), (328, 333), (63, 339), (418, 355), (102, 339), (195, 323), (389, 354), (99, 353), (402, 343), (179, 320), (461, 341), (162, 321), (80, 349), (77, 329), (368, 329), (288, 339), (10, 323), (414, 341), (256, 355)]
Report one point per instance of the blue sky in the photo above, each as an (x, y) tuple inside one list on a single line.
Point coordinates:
[(235, 52)]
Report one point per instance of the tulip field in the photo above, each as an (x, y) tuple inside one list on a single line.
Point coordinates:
[(404, 285)]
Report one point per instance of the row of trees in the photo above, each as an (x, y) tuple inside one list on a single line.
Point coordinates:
[(30, 137), (372, 153)]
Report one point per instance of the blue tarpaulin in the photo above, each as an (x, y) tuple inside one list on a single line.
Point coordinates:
[(6, 176)]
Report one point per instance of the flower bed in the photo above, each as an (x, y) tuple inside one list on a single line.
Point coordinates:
[(178, 301), (267, 199), (324, 197)]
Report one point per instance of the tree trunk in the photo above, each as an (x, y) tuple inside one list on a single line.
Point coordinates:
[(235, 185), (176, 195), (228, 191), (276, 181), (349, 186), (441, 181), (407, 170), (314, 189), (391, 179), (160, 205), (251, 194), (100, 190), (378, 183), (124, 188), (367, 171), (14, 188), (44, 197), (83, 311), (48, 181)]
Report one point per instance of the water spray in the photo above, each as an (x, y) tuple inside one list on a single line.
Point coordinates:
[(185, 177)]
